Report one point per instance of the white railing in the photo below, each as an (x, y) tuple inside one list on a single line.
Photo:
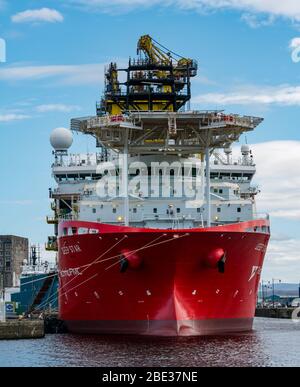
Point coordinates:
[(105, 121), (41, 268)]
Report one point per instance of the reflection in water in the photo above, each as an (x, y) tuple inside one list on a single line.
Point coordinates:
[(272, 343)]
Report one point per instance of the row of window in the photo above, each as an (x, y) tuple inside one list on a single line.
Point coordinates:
[(7, 265), (220, 191), (80, 230), (6, 246), (171, 172), (7, 253), (237, 210), (169, 211)]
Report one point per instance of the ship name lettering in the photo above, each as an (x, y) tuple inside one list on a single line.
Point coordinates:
[(70, 249), (70, 272), (260, 247)]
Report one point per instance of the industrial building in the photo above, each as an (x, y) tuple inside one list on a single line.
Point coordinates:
[(13, 252)]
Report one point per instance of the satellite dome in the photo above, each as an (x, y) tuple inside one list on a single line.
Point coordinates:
[(61, 139), (245, 149)]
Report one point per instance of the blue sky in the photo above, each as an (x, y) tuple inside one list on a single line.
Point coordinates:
[(54, 71)]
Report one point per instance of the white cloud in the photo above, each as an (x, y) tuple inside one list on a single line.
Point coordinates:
[(255, 21), (288, 9), (12, 117), (37, 16), (68, 74), (49, 256), (283, 260), (57, 108), (287, 95), (278, 177)]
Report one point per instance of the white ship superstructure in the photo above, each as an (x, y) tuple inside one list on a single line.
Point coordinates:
[(167, 193)]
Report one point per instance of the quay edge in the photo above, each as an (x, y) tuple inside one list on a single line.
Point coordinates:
[(24, 329)]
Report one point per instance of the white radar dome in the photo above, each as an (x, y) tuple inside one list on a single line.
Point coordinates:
[(245, 149), (61, 139)]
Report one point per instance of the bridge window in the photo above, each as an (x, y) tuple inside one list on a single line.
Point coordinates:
[(239, 209), (82, 230), (155, 210), (93, 231), (225, 175), (247, 176), (194, 172)]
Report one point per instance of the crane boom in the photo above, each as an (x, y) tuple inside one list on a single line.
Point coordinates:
[(154, 53), (150, 48)]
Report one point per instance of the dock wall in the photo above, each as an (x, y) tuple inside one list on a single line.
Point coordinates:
[(25, 329), (274, 312)]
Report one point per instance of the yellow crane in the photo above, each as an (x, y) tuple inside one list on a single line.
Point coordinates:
[(156, 54), (158, 80)]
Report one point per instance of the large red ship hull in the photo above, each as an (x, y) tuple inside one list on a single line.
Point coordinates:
[(160, 282)]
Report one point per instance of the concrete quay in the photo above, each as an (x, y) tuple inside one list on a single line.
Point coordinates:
[(284, 313), (22, 329)]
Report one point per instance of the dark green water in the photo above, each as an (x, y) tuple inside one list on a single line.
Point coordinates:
[(272, 343)]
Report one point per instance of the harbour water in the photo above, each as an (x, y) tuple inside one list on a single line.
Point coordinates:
[(273, 342)]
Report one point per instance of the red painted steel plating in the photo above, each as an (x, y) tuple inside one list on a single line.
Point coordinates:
[(172, 284)]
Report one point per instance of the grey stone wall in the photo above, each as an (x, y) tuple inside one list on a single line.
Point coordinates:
[(25, 329), (13, 251)]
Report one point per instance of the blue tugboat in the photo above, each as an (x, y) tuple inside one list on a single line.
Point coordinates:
[(38, 286)]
